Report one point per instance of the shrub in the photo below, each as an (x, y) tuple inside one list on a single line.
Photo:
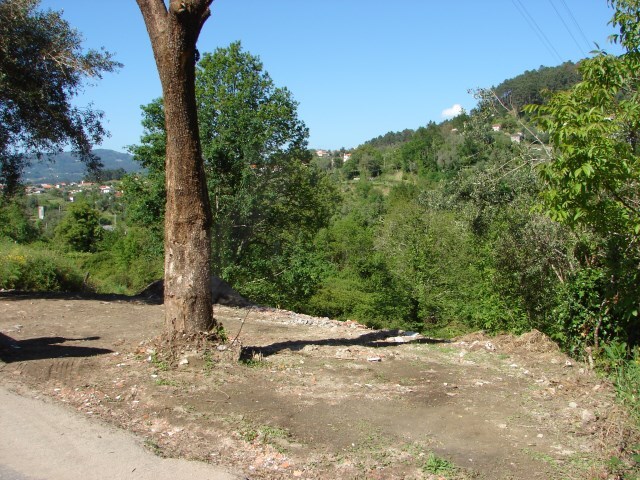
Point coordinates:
[(126, 263), (80, 229), (623, 367), (33, 269), (15, 223)]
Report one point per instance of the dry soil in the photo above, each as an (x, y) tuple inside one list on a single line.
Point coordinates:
[(303, 397)]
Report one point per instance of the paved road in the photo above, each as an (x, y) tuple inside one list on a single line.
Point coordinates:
[(43, 441)]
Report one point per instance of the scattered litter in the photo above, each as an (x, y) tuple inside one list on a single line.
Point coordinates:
[(587, 416), (397, 339), (374, 359)]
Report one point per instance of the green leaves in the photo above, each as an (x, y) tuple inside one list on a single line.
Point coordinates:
[(267, 201), (80, 229), (592, 184), (595, 167), (42, 67)]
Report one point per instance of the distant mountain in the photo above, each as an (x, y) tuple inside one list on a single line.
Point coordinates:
[(66, 167)]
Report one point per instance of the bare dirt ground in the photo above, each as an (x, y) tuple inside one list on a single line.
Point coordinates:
[(318, 399)]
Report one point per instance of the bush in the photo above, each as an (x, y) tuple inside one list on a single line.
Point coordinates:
[(623, 367), (15, 223), (126, 263), (33, 269), (80, 229)]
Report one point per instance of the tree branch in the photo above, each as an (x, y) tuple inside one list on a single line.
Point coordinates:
[(154, 13), (522, 124)]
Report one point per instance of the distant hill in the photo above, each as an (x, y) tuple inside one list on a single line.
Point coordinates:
[(528, 87), (66, 167)]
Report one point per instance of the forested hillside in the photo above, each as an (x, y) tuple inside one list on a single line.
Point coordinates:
[(533, 86)]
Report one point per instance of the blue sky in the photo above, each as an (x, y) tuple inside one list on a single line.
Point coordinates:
[(358, 68)]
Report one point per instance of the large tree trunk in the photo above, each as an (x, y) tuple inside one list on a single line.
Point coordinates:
[(187, 238)]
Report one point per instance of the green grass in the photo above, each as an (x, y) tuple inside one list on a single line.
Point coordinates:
[(165, 382), (159, 364), (624, 370), (256, 361), (265, 434), (154, 447), (439, 466)]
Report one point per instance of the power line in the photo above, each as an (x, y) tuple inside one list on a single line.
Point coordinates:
[(567, 28), (536, 28), (575, 22)]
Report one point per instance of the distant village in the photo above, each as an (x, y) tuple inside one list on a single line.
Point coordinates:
[(330, 153), (71, 189)]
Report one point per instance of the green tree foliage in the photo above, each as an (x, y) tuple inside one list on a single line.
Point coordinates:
[(105, 175), (368, 161), (42, 67), (125, 262), (144, 195), (593, 179), (529, 87), (80, 229), (419, 154), (267, 200), (15, 223), (357, 283), (430, 256), (247, 122), (454, 245), (391, 138), (255, 147)]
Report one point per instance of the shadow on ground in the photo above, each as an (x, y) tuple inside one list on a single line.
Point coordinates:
[(105, 297), (45, 347), (371, 339)]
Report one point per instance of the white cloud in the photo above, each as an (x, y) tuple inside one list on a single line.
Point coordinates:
[(452, 111)]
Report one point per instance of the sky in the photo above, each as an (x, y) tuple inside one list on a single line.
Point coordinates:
[(357, 68)]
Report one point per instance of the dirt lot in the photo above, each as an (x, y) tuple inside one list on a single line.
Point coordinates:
[(314, 398)]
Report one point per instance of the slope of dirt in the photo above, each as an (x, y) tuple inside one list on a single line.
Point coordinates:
[(314, 398)]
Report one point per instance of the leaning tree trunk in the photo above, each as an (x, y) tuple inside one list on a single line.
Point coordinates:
[(187, 238)]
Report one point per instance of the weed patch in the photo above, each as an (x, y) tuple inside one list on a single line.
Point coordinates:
[(31, 268)]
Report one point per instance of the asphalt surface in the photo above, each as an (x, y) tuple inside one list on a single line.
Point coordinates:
[(43, 441)]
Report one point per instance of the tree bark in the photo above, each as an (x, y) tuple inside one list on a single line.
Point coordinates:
[(187, 238)]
